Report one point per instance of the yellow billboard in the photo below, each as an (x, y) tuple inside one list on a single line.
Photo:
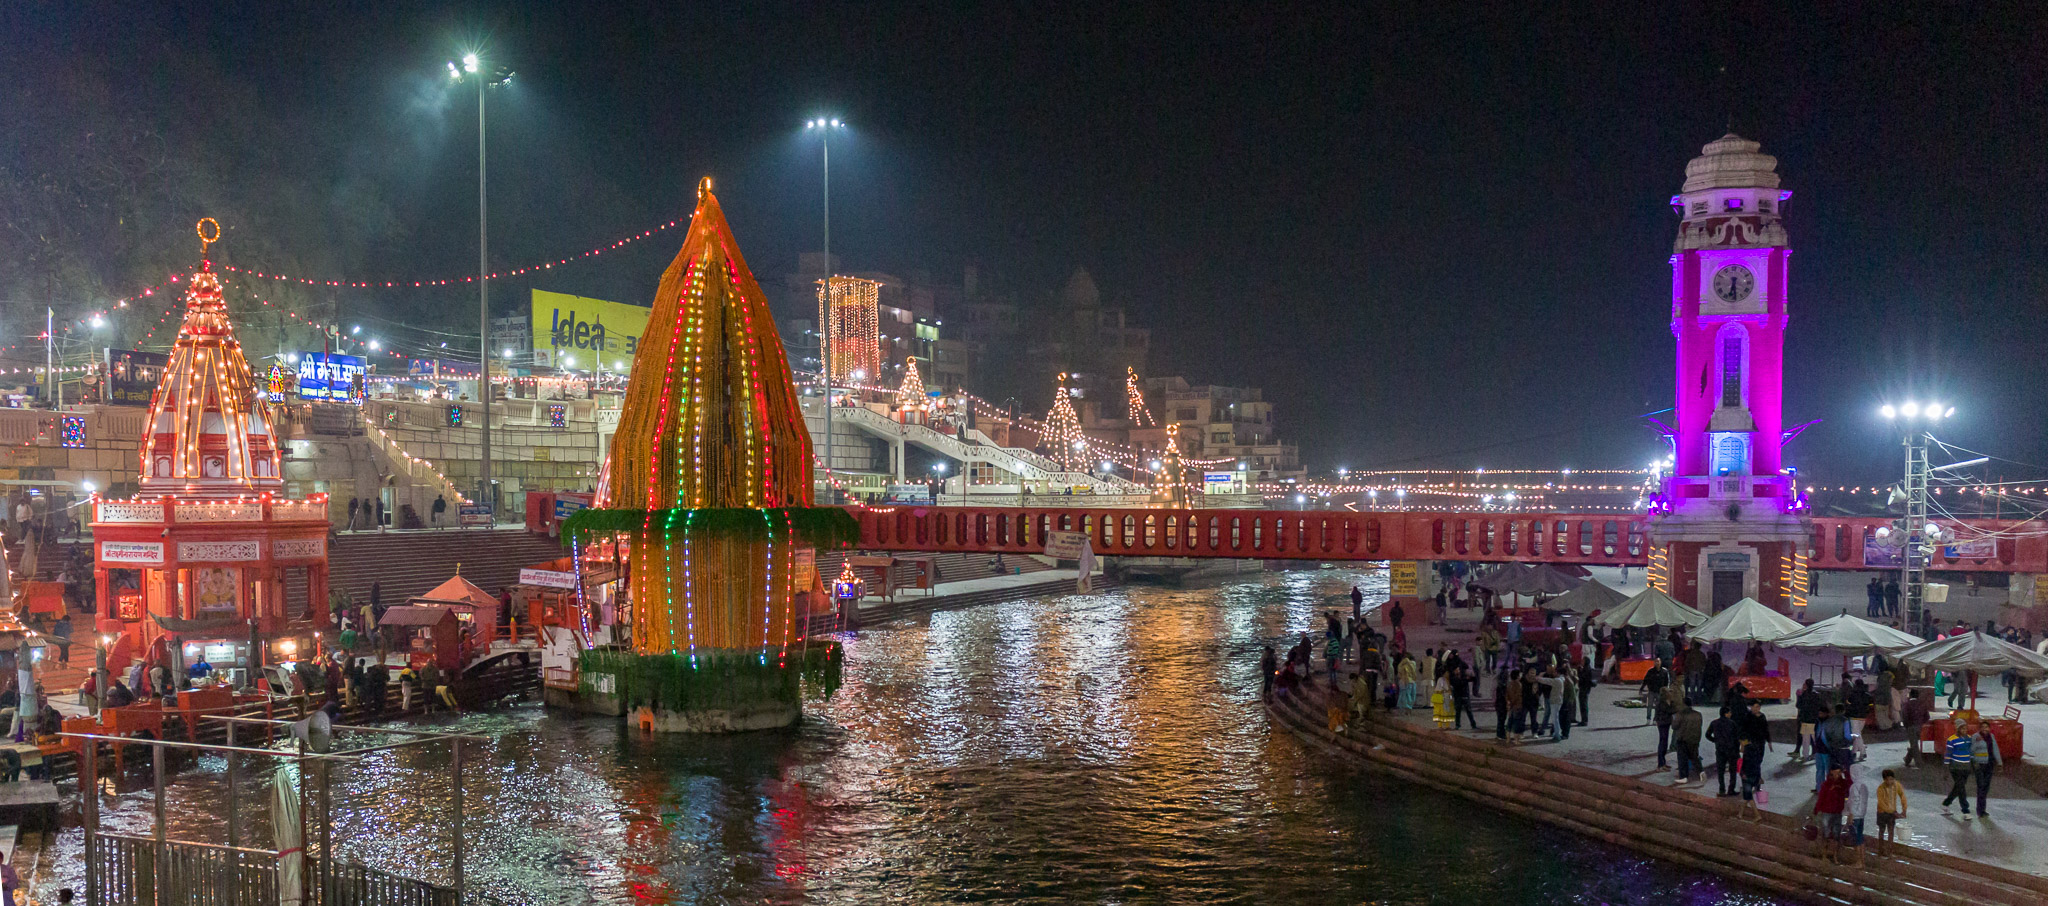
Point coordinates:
[(572, 331)]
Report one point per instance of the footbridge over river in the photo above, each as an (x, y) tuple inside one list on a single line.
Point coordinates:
[(1580, 538)]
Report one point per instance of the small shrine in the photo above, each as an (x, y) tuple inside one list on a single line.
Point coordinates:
[(708, 489), (210, 560)]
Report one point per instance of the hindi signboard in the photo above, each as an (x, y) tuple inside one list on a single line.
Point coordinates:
[(476, 514), (132, 375), (330, 376), (1401, 578), (1065, 545), (547, 578)]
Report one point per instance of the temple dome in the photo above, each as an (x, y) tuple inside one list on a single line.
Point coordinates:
[(209, 427), (1731, 162)]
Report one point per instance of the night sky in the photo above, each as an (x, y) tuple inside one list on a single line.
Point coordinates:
[(1435, 238)]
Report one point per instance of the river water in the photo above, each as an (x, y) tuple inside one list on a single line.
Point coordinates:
[(1104, 748)]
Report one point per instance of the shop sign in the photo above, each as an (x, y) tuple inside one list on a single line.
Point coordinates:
[(138, 553), (219, 551), (547, 578)]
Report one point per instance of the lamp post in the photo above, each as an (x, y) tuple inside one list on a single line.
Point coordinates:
[(1913, 573), (824, 126), (473, 69)]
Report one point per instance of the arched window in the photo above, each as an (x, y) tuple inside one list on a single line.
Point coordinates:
[(1733, 362)]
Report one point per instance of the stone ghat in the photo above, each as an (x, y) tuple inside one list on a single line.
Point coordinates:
[(1693, 831)]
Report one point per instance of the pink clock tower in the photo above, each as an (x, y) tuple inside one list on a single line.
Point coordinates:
[(1730, 524)]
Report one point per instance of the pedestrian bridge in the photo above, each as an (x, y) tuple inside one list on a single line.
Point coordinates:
[(1580, 538)]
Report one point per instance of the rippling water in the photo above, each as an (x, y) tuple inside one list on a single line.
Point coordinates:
[(1081, 749)]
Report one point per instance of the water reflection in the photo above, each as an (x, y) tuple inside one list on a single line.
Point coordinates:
[(1102, 748)]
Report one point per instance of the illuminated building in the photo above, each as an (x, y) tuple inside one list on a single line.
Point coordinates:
[(211, 547), (849, 319), (1730, 518)]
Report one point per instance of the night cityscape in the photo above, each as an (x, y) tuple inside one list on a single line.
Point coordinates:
[(1198, 453)]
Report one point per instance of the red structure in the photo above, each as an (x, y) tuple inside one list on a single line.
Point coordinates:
[(1584, 538), (210, 553)]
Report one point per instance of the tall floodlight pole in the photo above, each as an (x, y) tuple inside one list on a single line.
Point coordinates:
[(825, 127), (1916, 528), (473, 68)]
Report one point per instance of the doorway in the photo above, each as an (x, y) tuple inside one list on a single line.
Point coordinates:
[(1727, 588)]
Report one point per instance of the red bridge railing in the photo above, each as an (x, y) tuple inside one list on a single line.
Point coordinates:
[(1326, 535)]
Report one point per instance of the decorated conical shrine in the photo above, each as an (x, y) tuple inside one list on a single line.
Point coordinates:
[(708, 488), (212, 547)]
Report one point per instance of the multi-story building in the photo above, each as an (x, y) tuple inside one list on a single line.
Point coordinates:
[(1218, 422)]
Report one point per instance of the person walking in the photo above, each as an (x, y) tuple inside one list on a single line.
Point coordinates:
[(1394, 615), (1984, 761), (1405, 674), (1567, 702), (1755, 732), (439, 508), (1808, 703), (1727, 748), (1686, 726), (1664, 711), (1956, 753), (1268, 665), (1461, 697), (1913, 717), (1891, 806)]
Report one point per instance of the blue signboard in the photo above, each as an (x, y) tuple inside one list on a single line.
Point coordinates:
[(330, 376)]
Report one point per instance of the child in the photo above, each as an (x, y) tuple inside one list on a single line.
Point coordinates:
[(1827, 812), (1891, 806), (1858, 809)]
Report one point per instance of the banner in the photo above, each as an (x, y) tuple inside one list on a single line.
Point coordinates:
[(547, 578), (330, 376), (1065, 545), (132, 375), (139, 553), (475, 514), (585, 334), (1875, 557), (1401, 578), (1973, 549)]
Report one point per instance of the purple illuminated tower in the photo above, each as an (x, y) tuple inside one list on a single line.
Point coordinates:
[(1732, 525)]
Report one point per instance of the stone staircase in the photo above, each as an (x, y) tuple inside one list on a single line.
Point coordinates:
[(1698, 832), (409, 563)]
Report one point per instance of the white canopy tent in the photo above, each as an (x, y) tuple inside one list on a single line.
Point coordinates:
[(1651, 607), (1747, 621), (1587, 598), (1849, 633)]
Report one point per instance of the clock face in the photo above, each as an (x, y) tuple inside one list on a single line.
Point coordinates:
[(1734, 283)]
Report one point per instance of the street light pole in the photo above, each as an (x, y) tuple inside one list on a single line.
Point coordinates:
[(825, 127), (483, 304)]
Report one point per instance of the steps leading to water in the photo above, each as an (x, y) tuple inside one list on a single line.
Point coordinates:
[(410, 563), (1677, 826)]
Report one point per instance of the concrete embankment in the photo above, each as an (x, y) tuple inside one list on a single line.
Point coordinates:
[(1694, 831)]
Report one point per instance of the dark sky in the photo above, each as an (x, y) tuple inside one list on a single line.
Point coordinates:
[(1436, 238)]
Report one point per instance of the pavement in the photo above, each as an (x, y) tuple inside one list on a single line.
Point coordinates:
[(1618, 740)]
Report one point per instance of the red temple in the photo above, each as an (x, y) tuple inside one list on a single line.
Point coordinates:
[(210, 553)]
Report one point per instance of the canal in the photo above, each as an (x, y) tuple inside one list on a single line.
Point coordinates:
[(1104, 748)]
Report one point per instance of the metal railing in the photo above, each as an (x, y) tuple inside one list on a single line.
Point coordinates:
[(132, 869)]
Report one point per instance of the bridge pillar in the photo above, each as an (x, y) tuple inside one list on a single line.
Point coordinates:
[(896, 458)]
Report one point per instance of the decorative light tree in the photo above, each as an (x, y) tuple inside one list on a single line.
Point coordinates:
[(1169, 485), (709, 487), (1140, 417), (1068, 447), (912, 390)]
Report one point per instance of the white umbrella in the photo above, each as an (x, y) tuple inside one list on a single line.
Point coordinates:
[(1846, 632), (1651, 607), (1748, 621), (1976, 652), (1587, 598), (291, 852)]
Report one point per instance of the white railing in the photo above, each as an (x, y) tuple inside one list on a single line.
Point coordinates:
[(307, 510), (116, 511), (219, 512)]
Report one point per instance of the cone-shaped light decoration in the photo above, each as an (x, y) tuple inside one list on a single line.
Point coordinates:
[(709, 486), (209, 428)]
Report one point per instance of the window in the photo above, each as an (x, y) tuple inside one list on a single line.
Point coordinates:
[(1763, 206), (1699, 207), (1734, 204), (1185, 415), (1731, 370)]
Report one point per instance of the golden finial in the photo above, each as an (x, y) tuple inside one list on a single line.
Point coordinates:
[(703, 188), (207, 241)]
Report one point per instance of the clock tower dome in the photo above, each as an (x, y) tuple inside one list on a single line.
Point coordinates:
[(1729, 521)]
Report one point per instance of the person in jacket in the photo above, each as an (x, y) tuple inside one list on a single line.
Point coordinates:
[(1665, 708), (1828, 805), (1808, 702), (1755, 732), (1891, 806), (1956, 754), (1727, 750), (1858, 809), (1984, 761), (1685, 725), (1511, 698)]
